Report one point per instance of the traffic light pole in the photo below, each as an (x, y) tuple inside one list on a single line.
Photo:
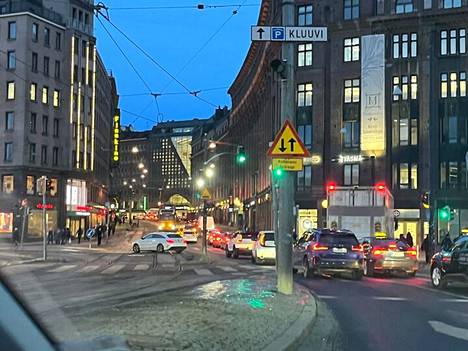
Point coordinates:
[(44, 219), (204, 224), (285, 198)]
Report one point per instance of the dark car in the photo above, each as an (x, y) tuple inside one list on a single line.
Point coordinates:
[(450, 265), (388, 256), (329, 252)]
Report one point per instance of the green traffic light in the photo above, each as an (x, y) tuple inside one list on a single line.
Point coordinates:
[(444, 213), (278, 172), (241, 158)]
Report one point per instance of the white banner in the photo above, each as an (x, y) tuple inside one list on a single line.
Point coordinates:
[(373, 93)]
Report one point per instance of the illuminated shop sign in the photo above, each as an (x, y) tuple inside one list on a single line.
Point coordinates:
[(116, 138)]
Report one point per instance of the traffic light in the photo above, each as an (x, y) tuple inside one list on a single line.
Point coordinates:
[(331, 186), (425, 199), (444, 213), (380, 187), (452, 214), (278, 173), (241, 157)]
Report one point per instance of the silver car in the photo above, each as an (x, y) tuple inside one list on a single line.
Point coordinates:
[(264, 249), (190, 236), (159, 242)]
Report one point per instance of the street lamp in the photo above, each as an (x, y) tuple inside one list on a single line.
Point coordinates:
[(125, 182), (209, 172), (141, 165), (200, 183), (212, 145), (212, 165), (133, 180), (135, 150), (142, 176), (144, 185), (145, 171), (130, 186)]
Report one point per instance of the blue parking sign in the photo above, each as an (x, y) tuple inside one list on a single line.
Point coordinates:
[(277, 33)]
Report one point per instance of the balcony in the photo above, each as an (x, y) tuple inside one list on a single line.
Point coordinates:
[(27, 6)]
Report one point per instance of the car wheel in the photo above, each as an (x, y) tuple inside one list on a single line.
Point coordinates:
[(160, 248), (437, 278), (228, 253), (368, 268), (235, 253), (357, 274), (136, 248), (307, 272)]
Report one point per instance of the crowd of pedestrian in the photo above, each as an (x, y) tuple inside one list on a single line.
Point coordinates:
[(60, 236)]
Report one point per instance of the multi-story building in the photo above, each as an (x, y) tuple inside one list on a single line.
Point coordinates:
[(48, 80), (383, 100)]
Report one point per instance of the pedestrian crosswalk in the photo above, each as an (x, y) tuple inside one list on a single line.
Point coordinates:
[(113, 269)]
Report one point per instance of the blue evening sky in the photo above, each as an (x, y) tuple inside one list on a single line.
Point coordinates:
[(172, 37)]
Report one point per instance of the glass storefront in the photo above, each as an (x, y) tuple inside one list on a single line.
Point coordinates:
[(35, 222), (6, 224)]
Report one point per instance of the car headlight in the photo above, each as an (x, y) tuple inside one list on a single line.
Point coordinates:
[(173, 226), (160, 227)]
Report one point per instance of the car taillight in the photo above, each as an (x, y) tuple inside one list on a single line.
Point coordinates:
[(378, 251), (412, 251), (318, 247), (446, 259), (170, 241), (392, 246), (358, 248)]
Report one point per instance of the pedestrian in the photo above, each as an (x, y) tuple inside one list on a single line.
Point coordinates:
[(402, 238), (68, 235), (79, 234), (409, 239), (57, 236), (446, 243), (425, 246), (62, 236), (98, 234), (50, 237)]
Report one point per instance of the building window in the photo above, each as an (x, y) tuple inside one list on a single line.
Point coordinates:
[(351, 49), (55, 152), (57, 70), (405, 89), (10, 90), (46, 36), (8, 152), (53, 186), (11, 59), (46, 66), (414, 131), (414, 87), (44, 154), (351, 135), (304, 55), (453, 84), (45, 124), (450, 4), (352, 91), (74, 130), (304, 15), (8, 184), (58, 41), (405, 45), (11, 30), (304, 178), (408, 176), (403, 6), (45, 95), (56, 98), (452, 42), (75, 73), (305, 133), (35, 31), (427, 4), (56, 127), (33, 92), (34, 62), (304, 94), (30, 181), (351, 9), (81, 132), (32, 153), (9, 120), (32, 123), (351, 174)]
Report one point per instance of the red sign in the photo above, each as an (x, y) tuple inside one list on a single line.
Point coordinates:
[(84, 208), (47, 206)]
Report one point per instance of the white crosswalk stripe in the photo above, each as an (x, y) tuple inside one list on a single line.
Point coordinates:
[(226, 268), (113, 269), (248, 267), (141, 267), (62, 268), (202, 271), (87, 269)]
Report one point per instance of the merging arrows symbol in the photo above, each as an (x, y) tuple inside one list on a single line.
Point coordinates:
[(282, 148), (291, 142)]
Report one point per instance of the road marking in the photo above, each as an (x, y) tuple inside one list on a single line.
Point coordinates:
[(450, 330), (226, 268), (389, 298), (455, 300), (62, 268), (87, 269), (248, 267), (141, 267), (113, 269), (326, 297), (195, 248), (238, 273), (202, 271)]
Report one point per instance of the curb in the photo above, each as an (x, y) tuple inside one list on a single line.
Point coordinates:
[(36, 260), (292, 337)]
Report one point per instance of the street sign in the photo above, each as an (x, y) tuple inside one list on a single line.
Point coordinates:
[(287, 143), (288, 164), (279, 33), (205, 194), (396, 213)]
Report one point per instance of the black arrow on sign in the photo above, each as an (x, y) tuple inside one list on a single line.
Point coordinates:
[(291, 142), (282, 148), (260, 32)]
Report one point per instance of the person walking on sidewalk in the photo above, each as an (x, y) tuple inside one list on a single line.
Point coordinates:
[(79, 234), (50, 237), (99, 234), (409, 239), (426, 247), (446, 243)]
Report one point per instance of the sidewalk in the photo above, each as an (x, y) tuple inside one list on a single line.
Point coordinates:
[(232, 315)]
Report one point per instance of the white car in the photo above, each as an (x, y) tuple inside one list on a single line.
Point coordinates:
[(159, 242), (263, 249), (190, 236), (240, 243)]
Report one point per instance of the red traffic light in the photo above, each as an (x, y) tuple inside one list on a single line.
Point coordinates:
[(331, 186), (380, 187)]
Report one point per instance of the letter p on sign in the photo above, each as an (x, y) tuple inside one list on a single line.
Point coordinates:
[(277, 33)]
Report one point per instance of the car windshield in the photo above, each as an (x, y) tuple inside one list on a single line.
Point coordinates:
[(338, 239), (174, 236), (269, 236)]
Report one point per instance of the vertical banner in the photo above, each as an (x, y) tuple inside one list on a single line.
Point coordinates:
[(373, 94), (116, 138)]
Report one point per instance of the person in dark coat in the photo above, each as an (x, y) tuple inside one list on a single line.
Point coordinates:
[(446, 243), (79, 234), (426, 247), (402, 238), (67, 235), (50, 237), (99, 234), (409, 239)]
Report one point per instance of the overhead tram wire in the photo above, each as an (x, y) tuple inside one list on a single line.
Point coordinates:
[(182, 7), (172, 93), (98, 10)]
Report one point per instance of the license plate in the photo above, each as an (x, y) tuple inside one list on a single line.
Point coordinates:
[(398, 254), (339, 250)]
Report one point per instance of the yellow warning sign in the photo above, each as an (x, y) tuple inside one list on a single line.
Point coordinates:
[(205, 194), (288, 144), (288, 164)]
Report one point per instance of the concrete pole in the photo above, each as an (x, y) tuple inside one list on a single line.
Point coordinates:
[(44, 219), (205, 210), (286, 189)]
